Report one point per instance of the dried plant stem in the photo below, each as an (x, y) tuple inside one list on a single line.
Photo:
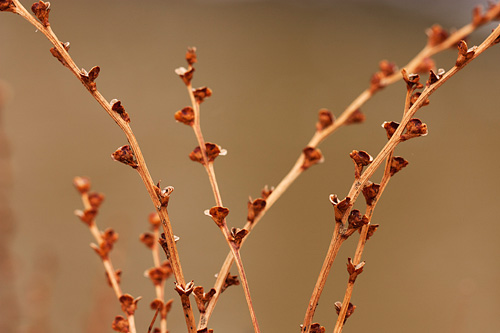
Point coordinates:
[(141, 168), (218, 200), (159, 289)]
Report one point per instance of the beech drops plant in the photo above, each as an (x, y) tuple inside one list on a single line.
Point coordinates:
[(161, 240)]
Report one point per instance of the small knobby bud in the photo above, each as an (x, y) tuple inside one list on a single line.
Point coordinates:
[(254, 208), (185, 116), (87, 216), (387, 68), (212, 150), (184, 291), (371, 230), (159, 274), (350, 309), (164, 308), (205, 330), (7, 6), (120, 324), (325, 119), (340, 207), (356, 220), (425, 65), (148, 239), (397, 163), (154, 220), (82, 184), (266, 192), (109, 237), (117, 106), (464, 54), (414, 98), (411, 79), (202, 298), (376, 82), (434, 77), (436, 35), (370, 192), (355, 117), (191, 55), (354, 270), (390, 128), (129, 304), (58, 55), (118, 274), (312, 156), (201, 93), (231, 280), (317, 328), (185, 74), (414, 128), (125, 155), (95, 199), (163, 243), (218, 214), (89, 78), (164, 195), (361, 159), (478, 18), (238, 235), (41, 10)]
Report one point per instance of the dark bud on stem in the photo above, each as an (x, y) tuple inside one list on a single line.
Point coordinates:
[(117, 106), (201, 93), (7, 6), (87, 216), (414, 98), (317, 328), (202, 298), (185, 116), (412, 80), (370, 192), (414, 128), (464, 54), (120, 324), (191, 55), (185, 74), (255, 207), (434, 77), (354, 270), (238, 235), (129, 304), (89, 78), (125, 155), (148, 239), (355, 118), (212, 150), (436, 35), (312, 156), (218, 214), (397, 164), (371, 230), (159, 274), (340, 207), (390, 128), (82, 184), (184, 291), (361, 159), (325, 119), (58, 55), (231, 280), (41, 10), (356, 220), (95, 199), (350, 309)]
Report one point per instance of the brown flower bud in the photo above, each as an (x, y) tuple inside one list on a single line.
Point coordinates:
[(160, 274), (376, 82), (340, 207), (87, 216), (434, 77), (254, 208), (82, 184), (218, 214), (117, 106), (95, 199), (184, 291), (464, 54), (118, 274), (370, 192), (361, 159), (397, 164), (163, 243), (120, 324), (371, 230), (148, 239), (89, 78), (355, 118), (201, 93), (185, 116), (312, 156), (387, 68), (41, 10), (266, 192), (414, 128), (317, 328), (125, 155), (129, 304), (354, 270), (212, 149), (350, 309), (356, 220), (231, 280), (436, 35), (164, 195), (154, 220), (477, 16), (203, 298), (238, 235), (58, 55), (191, 55), (325, 119), (412, 80), (390, 128), (185, 74), (7, 6), (415, 97)]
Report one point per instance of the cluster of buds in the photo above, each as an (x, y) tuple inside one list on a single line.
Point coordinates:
[(203, 298), (386, 69), (41, 10)]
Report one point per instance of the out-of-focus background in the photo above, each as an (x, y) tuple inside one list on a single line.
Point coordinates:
[(431, 267)]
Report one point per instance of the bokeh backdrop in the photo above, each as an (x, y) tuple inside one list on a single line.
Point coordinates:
[(431, 267)]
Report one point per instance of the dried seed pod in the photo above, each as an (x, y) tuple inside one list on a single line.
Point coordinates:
[(125, 155), (129, 304), (41, 10), (390, 128), (58, 55), (355, 118), (371, 230), (414, 128), (350, 309), (117, 106), (185, 74), (464, 53), (187, 290), (354, 270), (185, 116), (325, 119), (148, 239), (387, 68), (212, 150), (340, 207), (218, 214), (191, 55), (87, 216), (415, 97), (434, 77), (163, 243), (201, 93), (7, 6), (82, 184), (397, 163), (254, 208), (95, 199), (159, 274), (238, 235), (312, 156), (317, 328), (411, 79), (231, 280), (361, 159), (370, 192), (90, 77), (436, 35), (164, 195), (203, 298), (356, 219), (120, 324)]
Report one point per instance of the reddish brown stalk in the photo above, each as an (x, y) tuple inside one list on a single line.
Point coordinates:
[(141, 167)]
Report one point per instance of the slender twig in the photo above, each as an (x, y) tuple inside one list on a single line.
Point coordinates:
[(141, 164)]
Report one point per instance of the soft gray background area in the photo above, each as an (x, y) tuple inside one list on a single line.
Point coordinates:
[(431, 267)]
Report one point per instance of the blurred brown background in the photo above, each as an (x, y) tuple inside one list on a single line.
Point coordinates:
[(431, 267)]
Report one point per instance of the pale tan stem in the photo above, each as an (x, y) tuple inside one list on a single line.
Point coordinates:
[(131, 322), (159, 289), (110, 271)]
